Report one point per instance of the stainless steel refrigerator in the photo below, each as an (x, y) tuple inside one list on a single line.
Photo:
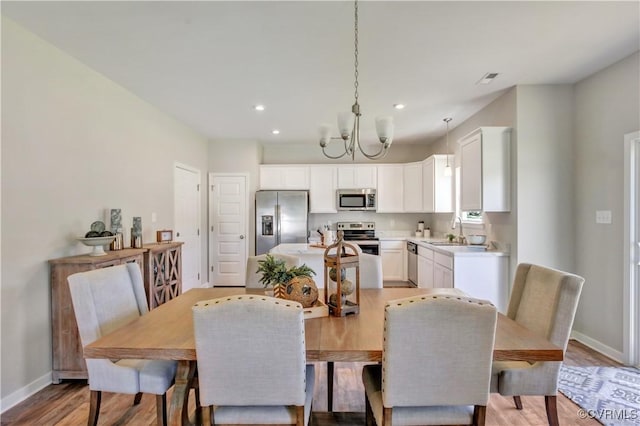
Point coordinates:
[(281, 217)]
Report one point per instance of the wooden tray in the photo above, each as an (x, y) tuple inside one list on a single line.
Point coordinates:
[(319, 309), (318, 245)]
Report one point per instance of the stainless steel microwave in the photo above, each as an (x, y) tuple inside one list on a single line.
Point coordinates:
[(356, 199)]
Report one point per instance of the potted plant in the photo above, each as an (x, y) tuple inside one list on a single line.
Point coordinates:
[(276, 274)]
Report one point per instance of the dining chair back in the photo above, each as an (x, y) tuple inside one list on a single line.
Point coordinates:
[(106, 299), (436, 363), (251, 360), (545, 301), (253, 276)]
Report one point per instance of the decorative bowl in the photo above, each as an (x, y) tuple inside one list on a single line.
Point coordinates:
[(97, 243), (476, 239)]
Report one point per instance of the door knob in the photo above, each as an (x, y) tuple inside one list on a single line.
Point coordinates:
[(177, 234), (242, 237)]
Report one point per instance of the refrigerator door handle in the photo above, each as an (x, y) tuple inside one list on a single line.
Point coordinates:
[(278, 230)]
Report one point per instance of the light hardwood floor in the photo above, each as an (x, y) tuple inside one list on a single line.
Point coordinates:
[(68, 403)]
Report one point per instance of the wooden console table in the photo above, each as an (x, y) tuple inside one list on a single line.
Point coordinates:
[(162, 272)]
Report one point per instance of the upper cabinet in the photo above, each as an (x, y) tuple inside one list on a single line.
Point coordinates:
[(485, 174), (357, 176), (390, 188), (437, 189), (412, 180), (284, 177), (322, 189)]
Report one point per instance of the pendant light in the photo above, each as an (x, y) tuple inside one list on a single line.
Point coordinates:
[(447, 169)]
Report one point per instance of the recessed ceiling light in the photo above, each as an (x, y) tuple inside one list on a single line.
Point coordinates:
[(398, 106), (275, 131), (488, 78), (259, 107)]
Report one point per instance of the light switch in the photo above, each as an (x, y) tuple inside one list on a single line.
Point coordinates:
[(154, 217), (603, 216)]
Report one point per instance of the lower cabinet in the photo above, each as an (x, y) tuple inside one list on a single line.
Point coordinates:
[(393, 260), (162, 272), (161, 267), (442, 270), (425, 267), (68, 361)]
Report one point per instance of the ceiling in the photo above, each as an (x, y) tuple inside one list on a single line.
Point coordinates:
[(207, 63)]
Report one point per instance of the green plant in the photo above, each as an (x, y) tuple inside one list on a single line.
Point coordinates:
[(274, 271)]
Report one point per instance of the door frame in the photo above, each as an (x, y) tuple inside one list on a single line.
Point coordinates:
[(210, 247), (631, 326), (176, 166)]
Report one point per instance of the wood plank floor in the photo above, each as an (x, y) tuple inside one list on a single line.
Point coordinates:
[(68, 403)]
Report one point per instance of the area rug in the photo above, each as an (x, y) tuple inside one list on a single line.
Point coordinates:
[(608, 394)]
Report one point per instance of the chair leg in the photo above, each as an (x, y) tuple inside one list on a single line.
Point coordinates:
[(161, 409), (206, 415), (386, 416), (330, 386), (94, 407), (552, 410), (479, 415), (518, 402), (368, 412), (299, 415), (137, 398)]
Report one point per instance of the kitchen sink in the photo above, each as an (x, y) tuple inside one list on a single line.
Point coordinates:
[(445, 243)]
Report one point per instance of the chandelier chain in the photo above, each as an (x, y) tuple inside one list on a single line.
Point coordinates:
[(356, 50)]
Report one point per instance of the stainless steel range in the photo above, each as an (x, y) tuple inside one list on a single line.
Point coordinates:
[(363, 234)]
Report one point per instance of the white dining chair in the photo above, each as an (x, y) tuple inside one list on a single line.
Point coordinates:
[(252, 361), (252, 277), (545, 301), (436, 362), (104, 300)]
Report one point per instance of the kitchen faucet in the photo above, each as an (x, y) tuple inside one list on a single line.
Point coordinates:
[(461, 239)]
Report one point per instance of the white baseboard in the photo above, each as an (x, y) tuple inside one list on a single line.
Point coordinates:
[(25, 392), (598, 346)]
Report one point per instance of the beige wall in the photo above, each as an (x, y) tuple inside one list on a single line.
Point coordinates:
[(607, 107), (312, 154), (73, 144)]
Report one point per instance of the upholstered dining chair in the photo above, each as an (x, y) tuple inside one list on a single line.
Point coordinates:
[(544, 300), (253, 277), (252, 361), (104, 300), (436, 362)]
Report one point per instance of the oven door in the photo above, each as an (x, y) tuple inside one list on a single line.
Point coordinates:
[(369, 247)]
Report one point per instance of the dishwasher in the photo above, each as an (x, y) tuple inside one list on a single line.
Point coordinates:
[(412, 263)]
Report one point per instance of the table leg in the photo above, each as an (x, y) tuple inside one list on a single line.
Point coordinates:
[(329, 386), (179, 407)]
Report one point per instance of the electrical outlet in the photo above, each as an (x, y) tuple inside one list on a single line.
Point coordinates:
[(603, 216)]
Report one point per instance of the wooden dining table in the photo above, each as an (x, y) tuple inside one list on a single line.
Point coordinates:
[(166, 332)]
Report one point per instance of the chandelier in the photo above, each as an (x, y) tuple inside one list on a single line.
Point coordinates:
[(349, 122)]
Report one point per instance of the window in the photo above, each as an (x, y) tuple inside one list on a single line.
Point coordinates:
[(470, 216)]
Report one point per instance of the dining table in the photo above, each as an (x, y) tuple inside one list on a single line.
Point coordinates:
[(166, 332)]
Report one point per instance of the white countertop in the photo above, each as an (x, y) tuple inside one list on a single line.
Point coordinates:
[(466, 250)]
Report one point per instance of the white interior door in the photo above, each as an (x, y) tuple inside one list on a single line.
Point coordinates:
[(632, 248), (187, 223), (228, 243)]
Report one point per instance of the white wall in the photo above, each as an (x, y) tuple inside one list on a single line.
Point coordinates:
[(73, 144), (312, 154), (544, 181), (239, 156), (607, 107)]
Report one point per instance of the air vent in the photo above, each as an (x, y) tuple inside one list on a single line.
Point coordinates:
[(488, 78)]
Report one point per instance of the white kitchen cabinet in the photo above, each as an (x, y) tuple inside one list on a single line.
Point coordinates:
[(390, 188), (280, 176), (412, 181), (437, 189), (322, 189), (485, 173), (442, 270), (483, 277), (425, 267), (394, 260), (357, 176)]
